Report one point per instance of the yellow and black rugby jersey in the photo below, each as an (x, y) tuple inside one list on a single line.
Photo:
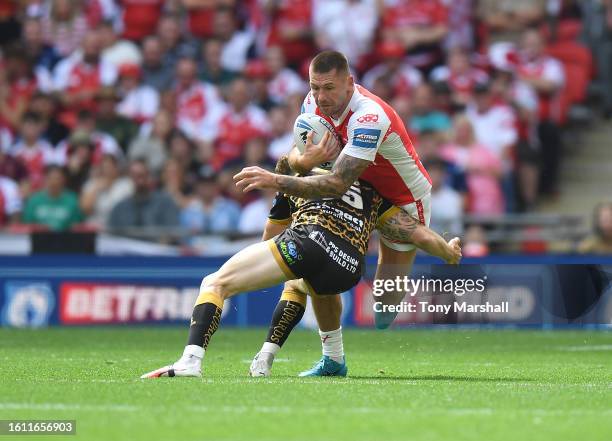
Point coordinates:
[(352, 217)]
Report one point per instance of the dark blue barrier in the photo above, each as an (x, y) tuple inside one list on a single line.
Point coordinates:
[(83, 290)]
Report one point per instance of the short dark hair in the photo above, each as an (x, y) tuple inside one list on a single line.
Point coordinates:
[(327, 61)]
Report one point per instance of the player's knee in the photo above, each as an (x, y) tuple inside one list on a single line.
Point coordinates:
[(217, 285)]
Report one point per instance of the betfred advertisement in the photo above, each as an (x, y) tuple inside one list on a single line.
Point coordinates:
[(90, 303), (38, 292)]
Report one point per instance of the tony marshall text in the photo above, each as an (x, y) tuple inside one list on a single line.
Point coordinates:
[(444, 309)]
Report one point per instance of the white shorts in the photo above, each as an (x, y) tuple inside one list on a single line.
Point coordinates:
[(420, 210)]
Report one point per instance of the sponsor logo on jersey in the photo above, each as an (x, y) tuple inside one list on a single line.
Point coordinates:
[(368, 118), (289, 251), (366, 138)]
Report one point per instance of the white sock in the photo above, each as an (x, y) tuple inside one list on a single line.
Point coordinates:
[(332, 344), (193, 354), (271, 348)]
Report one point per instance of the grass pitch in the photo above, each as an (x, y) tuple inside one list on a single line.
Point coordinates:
[(402, 385)]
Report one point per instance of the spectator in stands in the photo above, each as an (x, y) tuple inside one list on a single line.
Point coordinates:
[(13, 168), (597, 34), (482, 167), (65, 26), (460, 76), (103, 142), (45, 105), (546, 76), (236, 43), (153, 146), (420, 26), (174, 182), (255, 154), (55, 207), (461, 23), (174, 44), (446, 203), (507, 88), (108, 120), (256, 71), (200, 15), (199, 106), (240, 121), (9, 22), (155, 72), (139, 102), (401, 76), (79, 163), (281, 128), (283, 81), (78, 77), (475, 243), (495, 128), (33, 151), (185, 152), (146, 207), (104, 190), (600, 242), (117, 51), (334, 27), (425, 116), (10, 201), (18, 83), (208, 212), (40, 52), (254, 214), (290, 28), (212, 70), (505, 20), (140, 17)]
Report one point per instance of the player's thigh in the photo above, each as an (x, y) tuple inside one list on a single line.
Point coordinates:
[(252, 268), (420, 210)]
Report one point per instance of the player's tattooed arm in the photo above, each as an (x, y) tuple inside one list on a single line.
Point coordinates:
[(345, 172), (402, 227)]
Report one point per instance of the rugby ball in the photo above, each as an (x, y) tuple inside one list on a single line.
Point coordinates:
[(309, 122)]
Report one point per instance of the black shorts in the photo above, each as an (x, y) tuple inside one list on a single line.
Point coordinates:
[(328, 263)]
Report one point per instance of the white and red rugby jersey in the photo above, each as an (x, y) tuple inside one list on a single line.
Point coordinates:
[(370, 129)]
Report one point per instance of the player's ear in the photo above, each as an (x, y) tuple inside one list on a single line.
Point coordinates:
[(351, 81)]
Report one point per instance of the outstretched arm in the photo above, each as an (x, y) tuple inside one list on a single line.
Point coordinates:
[(345, 172), (404, 228)]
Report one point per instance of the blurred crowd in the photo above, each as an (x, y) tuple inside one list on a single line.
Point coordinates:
[(137, 113)]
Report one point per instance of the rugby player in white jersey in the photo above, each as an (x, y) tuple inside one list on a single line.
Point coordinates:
[(376, 147)]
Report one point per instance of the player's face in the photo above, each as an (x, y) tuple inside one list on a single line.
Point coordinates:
[(331, 91)]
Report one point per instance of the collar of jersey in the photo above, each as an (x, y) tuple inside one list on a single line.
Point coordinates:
[(351, 104)]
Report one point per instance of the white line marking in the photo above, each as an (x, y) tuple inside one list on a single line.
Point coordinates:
[(586, 348)]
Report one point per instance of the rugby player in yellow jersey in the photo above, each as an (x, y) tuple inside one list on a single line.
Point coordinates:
[(324, 246)]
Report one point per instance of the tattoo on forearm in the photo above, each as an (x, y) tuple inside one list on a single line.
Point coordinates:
[(345, 172), (400, 227)]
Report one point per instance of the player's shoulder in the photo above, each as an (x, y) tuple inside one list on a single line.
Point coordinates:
[(369, 111)]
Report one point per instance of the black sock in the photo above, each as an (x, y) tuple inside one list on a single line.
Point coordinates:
[(204, 322), (286, 315)]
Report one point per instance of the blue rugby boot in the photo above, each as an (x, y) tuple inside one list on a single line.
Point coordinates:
[(326, 367)]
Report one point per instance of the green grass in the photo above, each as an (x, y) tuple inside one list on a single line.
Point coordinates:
[(416, 384)]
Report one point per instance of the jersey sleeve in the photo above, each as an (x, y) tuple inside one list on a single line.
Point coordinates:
[(366, 131), (281, 210)]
